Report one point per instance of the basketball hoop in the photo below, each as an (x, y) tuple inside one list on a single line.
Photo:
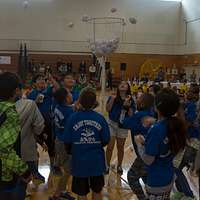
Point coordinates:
[(105, 34)]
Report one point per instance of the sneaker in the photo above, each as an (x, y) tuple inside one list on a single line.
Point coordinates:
[(38, 179), (107, 170), (119, 170), (56, 171), (66, 195)]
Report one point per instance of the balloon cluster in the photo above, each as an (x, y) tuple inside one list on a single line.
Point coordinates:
[(132, 20), (104, 47), (113, 10)]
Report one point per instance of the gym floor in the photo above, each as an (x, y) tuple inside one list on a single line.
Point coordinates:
[(116, 187)]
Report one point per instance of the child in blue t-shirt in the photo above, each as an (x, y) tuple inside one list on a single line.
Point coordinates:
[(68, 84), (88, 133), (191, 115), (139, 124), (62, 112), (193, 129), (118, 107), (42, 94), (187, 111), (164, 141)]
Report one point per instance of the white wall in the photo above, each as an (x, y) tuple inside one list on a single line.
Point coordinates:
[(191, 11), (44, 24)]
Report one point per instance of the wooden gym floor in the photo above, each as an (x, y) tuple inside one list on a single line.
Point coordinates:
[(116, 187)]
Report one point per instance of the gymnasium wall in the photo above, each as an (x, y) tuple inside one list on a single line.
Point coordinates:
[(191, 13), (48, 59), (134, 61), (43, 25), (159, 33), (13, 65)]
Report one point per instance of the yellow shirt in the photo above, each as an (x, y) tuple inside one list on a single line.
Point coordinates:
[(183, 88), (134, 88), (145, 88)]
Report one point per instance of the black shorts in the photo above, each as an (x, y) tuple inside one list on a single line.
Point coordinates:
[(81, 186)]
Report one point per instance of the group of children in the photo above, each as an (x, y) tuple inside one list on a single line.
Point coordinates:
[(140, 87), (164, 128), (165, 148)]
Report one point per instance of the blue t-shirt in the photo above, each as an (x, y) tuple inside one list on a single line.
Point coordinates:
[(190, 109), (75, 95), (115, 112), (134, 123), (191, 116), (87, 132), (45, 106), (61, 115), (161, 172)]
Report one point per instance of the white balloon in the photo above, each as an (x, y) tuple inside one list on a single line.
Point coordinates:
[(132, 20), (113, 10), (25, 3), (114, 42), (71, 24), (85, 18)]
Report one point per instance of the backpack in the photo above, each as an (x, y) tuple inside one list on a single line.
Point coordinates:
[(3, 118), (17, 145)]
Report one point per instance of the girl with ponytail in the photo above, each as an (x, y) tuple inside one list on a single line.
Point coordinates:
[(164, 141)]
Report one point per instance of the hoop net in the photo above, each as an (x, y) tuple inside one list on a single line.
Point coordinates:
[(104, 34)]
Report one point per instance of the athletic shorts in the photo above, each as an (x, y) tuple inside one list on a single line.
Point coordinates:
[(81, 186), (162, 196), (117, 132)]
